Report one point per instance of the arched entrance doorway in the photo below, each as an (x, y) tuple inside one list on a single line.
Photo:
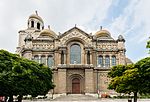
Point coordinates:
[(76, 86)]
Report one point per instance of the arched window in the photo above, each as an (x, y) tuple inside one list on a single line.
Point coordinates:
[(107, 61), (62, 57), (50, 61), (38, 25), (32, 23), (113, 60), (75, 54), (88, 57), (43, 60), (100, 61), (36, 58)]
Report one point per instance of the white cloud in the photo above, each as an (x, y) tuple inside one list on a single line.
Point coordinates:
[(62, 15), (134, 18), (70, 12), (134, 24)]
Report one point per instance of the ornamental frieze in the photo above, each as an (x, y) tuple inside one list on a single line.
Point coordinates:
[(43, 46), (75, 35)]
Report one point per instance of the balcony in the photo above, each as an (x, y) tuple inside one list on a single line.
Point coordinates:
[(99, 67), (77, 66)]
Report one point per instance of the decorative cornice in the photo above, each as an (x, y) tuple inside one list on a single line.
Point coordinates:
[(75, 28), (76, 66)]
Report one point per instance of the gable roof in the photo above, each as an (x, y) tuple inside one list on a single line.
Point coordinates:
[(75, 28)]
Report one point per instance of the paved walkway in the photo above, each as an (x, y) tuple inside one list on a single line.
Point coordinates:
[(76, 97), (83, 98)]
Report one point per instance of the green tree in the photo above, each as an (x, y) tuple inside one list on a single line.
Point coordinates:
[(124, 79), (143, 67), (131, 78), (20, 76), (148, 45)]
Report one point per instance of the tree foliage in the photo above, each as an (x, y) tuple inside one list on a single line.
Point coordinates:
[(144, 74), (20, 76), (148, 45), (122, 78), (131, 78)]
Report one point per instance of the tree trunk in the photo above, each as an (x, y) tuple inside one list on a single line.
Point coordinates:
[(10, 98), (135, 96), (20, 98)]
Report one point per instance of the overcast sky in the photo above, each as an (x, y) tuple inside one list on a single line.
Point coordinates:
[(131, 18)]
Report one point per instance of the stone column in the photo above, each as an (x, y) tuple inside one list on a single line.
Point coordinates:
[(91, 62), (55, 59), (65, 57), (46, 60), (97, 56), (55, 80), (117, 61), (62, 76), (94, 58), (89, 81), (39, 58), (85, 58), (59, 57), (110, 60), (104, 61)]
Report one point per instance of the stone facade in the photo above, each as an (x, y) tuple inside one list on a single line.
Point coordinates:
[(79, 61)]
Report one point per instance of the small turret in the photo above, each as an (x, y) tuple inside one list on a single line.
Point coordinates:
[(35, 22), (102, 33), (121, 41), (28, 41), (28, 38), (122, 50), (120, 38), (48, 32)]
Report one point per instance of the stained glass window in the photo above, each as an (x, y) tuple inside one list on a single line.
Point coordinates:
[(38, 25), (113, 60), (50, 61), (107, 61), (100, 61), (62, 57), (32, 23), (75, 54), (36, 58), (43, 60), (88, 57)]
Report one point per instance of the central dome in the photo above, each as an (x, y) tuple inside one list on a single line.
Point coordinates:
[(47, 32), (102, 33), (36, 17)]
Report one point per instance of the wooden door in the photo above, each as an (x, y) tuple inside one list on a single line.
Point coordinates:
[(76, 86)]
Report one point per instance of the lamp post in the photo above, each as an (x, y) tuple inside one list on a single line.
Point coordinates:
[(97, 85)]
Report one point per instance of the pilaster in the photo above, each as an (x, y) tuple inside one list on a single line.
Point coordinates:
[(62, 81), (89, 81)]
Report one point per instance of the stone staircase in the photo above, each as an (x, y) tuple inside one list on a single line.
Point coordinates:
[(75, 97)]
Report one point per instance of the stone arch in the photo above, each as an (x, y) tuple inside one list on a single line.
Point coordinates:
[(36, 58), (113, 60), (76, 39), (107, 61), (38, 25), (81, 44), (32, 24), (43, 59), (50, 61), (75, 54), (77, 79)]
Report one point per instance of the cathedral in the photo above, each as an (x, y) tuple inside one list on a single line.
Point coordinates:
[(80, 61)]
